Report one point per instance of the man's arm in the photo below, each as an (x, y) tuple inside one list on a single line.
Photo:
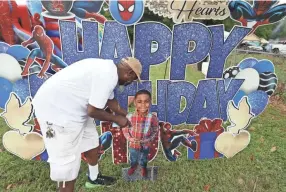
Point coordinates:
[(115, 107), (102, 115)]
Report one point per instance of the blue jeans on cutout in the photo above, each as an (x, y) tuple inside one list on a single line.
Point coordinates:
[(139, 154)]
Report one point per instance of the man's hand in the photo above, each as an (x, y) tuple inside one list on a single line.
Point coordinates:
[(122, 121), (115, 107)]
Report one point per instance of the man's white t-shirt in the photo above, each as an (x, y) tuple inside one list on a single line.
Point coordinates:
[(64, 97)]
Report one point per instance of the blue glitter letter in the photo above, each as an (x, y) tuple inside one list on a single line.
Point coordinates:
[(147, 85), (122, 96), (220, 49), (145, 33), (115, 39), (206, 95), (160, 108), (226, 95), (175, 91), (70, 42), (181, 55)]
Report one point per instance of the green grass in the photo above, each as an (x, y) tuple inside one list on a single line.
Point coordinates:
[(256, 165)]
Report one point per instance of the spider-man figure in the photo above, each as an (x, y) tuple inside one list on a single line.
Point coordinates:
[(45, 52), (35, 20), (7, 16), (171, 139), (88, 9), (105, 141), (262, 12)]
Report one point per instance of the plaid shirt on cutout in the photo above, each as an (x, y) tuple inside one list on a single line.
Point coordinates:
[(144, 128)]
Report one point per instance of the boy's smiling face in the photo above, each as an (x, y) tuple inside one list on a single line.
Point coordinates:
[(142, 103)]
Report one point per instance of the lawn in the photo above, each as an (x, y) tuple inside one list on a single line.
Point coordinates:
[(260, 167)]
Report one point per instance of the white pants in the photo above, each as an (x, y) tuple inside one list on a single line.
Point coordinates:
[(65, 148)]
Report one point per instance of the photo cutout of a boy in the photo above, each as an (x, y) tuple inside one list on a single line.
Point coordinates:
[(140, 135)]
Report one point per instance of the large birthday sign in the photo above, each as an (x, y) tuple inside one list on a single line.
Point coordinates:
[(54, 34)]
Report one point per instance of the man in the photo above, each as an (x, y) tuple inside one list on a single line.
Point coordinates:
[(65, 106)]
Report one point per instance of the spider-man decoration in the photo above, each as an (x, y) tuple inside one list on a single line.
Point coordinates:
[(171, 139), (126, 9), (45, 52), (126, 12), (35, 20), (260, 13), (105, 141), (88, 9)]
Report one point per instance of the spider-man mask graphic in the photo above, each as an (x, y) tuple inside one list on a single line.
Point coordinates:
[(38, 32), (126, 9), (126, 12)]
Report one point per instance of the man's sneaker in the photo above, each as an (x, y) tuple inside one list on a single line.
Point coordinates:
[(100, 181), (132, 170), (144, 172)]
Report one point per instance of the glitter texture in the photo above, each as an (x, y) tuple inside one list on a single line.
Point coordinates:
[(220, 49), (21, 88), (206, 93), (122, 96), (226, 94), (160, 107), (69, 41), (35, 83), (5, 90), (176, 90), (182, 35), (115, 40), (145, 33), (258, 101)]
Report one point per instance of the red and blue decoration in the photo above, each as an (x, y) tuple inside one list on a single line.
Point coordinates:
[(259, 84), (126, 12), (205, 135), (261, 12), (57, 7)]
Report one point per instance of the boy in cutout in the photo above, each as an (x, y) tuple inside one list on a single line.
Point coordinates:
[(144, 127)]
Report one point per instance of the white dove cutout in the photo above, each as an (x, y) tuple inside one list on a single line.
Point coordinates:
[(17, 114), (239, 117)]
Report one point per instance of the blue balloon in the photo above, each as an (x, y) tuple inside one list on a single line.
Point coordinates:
[(236, 99), (5, 89), (18, 52), (264, 66), (247, 63), (21, 88), (3, 47), (258, 101)]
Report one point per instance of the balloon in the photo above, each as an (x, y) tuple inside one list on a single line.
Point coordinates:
[(258, 101), (5, 90)]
